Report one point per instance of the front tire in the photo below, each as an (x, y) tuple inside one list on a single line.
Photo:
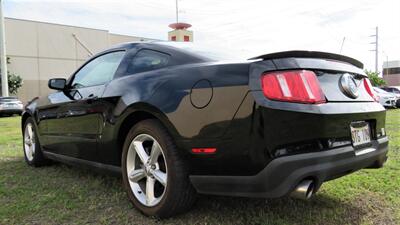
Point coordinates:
[(32, 149), (155, 175)]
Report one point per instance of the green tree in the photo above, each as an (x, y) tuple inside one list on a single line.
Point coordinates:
[(14, 83), (375, 79)]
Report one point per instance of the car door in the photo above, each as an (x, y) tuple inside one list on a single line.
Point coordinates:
[(78, 111), (134, 63)]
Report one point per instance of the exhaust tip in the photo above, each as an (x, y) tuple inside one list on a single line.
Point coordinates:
[(304, 190)]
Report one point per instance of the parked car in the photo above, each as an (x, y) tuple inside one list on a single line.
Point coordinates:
[(395, 91), (176, 119), (385, 98), (10, 106)]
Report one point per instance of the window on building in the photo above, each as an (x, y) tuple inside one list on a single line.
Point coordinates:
[(173, 38), (147, 60), (98, 71), (186, 38), (394, 70)]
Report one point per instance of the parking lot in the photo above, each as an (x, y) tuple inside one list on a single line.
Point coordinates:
[(61, 194)]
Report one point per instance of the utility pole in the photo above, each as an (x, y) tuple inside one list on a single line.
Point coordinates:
[(176, 10), (376, 49), (341, 47), (3, 58), (387, 64)]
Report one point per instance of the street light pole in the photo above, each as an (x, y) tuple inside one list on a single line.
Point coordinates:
[(3, 58)]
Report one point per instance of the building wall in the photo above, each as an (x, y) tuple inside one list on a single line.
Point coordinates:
[(38, 51), (180, 35), (392, 79), (391, 72)]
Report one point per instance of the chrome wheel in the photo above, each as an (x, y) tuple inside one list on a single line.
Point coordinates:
[(29, 142), (147, 170)]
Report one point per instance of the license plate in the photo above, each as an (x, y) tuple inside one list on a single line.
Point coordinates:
[(360, 133)]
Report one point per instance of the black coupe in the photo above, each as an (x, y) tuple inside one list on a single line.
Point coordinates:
[(175, 120)]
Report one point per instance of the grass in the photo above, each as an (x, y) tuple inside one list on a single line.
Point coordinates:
[(61, 194)]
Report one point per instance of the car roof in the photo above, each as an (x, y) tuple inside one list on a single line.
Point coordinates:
[(195, 50), (11, 97), (391, 87)]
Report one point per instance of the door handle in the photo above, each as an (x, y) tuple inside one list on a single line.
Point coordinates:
[(91, 98)]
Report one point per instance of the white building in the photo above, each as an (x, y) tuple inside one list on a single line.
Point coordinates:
[(38, 51)]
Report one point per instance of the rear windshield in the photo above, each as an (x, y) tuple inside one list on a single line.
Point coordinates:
[(207, 52), (394, 90)]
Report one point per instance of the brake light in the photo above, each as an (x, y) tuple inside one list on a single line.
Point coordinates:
[(370, 90), (301, 86)]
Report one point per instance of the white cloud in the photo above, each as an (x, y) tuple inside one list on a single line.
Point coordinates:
[(257, 26)]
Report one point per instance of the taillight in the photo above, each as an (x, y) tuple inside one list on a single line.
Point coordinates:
[(370, 90), (299, 86)]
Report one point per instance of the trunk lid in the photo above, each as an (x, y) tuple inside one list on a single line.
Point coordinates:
[(328, 67)]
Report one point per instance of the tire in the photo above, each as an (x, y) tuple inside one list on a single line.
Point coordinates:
[(177, 195), (32, 150)]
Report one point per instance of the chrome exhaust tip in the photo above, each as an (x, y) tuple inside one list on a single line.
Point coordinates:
[(304, 190)]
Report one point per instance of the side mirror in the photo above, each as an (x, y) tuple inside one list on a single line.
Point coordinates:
[(57, 83)]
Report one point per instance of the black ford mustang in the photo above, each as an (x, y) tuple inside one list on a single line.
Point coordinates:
[(176, 120)]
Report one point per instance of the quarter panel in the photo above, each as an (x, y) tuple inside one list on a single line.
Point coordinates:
[(229, 84)]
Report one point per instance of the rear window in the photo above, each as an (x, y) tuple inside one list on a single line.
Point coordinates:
[(394, 90), (147, 60), (208, 52)]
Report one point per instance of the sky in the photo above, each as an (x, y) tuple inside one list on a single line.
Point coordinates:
[(250, 27)]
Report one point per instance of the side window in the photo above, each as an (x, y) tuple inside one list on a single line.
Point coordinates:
[(98, 71), (146, 60)]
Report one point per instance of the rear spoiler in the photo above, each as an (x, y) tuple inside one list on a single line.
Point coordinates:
[(311, 54)]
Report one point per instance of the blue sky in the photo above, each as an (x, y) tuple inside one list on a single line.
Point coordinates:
[(250, 27)]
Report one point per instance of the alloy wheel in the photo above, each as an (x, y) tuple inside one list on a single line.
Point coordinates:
[(29, 142), (147, 170)]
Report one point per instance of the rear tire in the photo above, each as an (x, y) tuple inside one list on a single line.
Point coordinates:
[(32, 149), (153, 163)]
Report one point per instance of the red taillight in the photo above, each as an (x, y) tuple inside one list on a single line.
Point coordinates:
[(204, 150), (300, 86), (370, 90)]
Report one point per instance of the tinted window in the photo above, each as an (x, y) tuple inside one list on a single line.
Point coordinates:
[(393, 90), (146, 60), (389, 71), (98, 71), (209, 52)]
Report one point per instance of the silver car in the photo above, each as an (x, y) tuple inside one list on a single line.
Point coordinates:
[(396, 92), (10, 106), (386, 99)]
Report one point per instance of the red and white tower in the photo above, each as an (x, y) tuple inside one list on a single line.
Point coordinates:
[(180, 32)]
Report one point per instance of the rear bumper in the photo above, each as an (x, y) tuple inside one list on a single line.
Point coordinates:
[(281, 175)]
